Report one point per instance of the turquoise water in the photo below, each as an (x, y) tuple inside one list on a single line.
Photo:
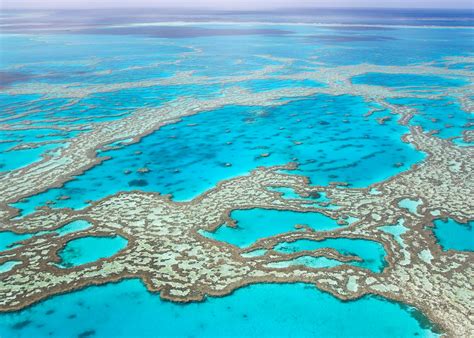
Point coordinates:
[(396, 230), (35, 135), (294, 310), (187, 158), (9, 239), (287, 192), (73, 226), (453, 235), (327, 135), (271, 84), (408, 80), (8, 265), (410, 205), (443, 115), (17, 159), (255, 224), (89, 249), (372, 253)]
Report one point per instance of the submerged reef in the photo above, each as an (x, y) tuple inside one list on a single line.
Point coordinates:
[(164, 245)]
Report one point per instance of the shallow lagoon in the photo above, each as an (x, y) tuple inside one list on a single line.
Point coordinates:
[(10, 239), (372, 253), (292, 310), (8, 265), (255, 224), (443, 115), (328, 136), (453, 235), (85, 250), (17, 159)]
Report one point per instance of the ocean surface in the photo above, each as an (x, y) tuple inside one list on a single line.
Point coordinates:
[(292, 310), (332, 137)]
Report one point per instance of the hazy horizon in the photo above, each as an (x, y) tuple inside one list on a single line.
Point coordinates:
[(235, 4)]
